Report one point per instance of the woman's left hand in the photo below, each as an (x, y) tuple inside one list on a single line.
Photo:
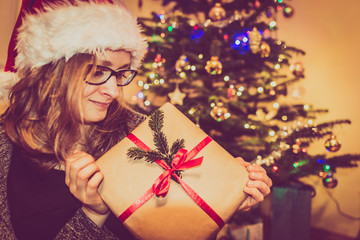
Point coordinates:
[(257, 187)]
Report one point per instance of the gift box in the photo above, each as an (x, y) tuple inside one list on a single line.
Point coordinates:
[(154, 202)]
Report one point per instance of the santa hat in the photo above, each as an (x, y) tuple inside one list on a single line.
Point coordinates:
[(48, 30)]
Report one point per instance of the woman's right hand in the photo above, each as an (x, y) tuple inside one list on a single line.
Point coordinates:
[(83, 178)]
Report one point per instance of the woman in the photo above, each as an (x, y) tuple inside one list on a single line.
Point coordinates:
[(67, 66)]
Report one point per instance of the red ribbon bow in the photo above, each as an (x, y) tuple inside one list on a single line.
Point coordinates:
[(182, 161)]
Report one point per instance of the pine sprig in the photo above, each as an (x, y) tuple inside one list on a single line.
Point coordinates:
[(152, 156), (136, 153), (162, 151), (177, 145), (156, 121), (161, 142)]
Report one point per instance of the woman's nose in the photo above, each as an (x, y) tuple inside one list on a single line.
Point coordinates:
[(111, 88)]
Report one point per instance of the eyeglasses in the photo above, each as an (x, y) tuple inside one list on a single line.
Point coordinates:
[(103, 74)]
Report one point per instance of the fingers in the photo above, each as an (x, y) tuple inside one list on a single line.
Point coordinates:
[(243, 162), (83, 178), (68, 161), (256, 195), (94, 182), (258, 173), (257, 187), (81, 174)]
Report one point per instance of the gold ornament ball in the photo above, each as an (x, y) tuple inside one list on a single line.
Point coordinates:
[(288, 11), (297, 69), (214, 66), (219, 112), (252, 91), (330, 181), (158, 58), (182, 64), (217, 13), (264, 49), (332, 144)]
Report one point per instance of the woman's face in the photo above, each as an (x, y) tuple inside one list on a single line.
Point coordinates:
[(97, 98)]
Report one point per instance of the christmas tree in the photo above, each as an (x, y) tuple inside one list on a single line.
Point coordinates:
[(221, 64)]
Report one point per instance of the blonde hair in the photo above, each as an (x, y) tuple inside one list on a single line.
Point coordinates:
[(45, 112)]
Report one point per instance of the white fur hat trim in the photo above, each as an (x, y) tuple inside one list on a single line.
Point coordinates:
[(7, 80), (87, 28)]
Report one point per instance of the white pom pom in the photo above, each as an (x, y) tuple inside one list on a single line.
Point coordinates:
[(7, 80)]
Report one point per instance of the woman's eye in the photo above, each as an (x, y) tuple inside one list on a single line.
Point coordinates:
[(98, 73)]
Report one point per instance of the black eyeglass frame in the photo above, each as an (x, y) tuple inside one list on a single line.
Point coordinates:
[(115, 73)]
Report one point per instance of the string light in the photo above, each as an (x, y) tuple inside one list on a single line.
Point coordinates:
[(272, 24), (273, 84), (182, 74), (327, 168), (140, 95)]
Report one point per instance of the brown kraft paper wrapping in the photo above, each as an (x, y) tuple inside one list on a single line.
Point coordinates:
[(219, 181)]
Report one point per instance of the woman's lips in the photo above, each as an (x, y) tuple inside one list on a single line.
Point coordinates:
[(101, 104)]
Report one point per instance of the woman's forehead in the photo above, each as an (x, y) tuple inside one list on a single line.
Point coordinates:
[(114, 58)]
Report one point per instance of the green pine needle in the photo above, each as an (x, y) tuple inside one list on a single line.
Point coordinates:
[(152, 156), (161, 143), (136, 153), (177, 145), (156, 121)]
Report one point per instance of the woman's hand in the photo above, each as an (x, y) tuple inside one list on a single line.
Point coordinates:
[(257, 187), (83, 178)]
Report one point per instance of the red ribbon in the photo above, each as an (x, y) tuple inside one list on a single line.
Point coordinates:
[(182, 161)]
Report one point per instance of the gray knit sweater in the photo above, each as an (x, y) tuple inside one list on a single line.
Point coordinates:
[(78, 227)]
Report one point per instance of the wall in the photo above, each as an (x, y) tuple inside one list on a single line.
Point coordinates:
[(327, 33), (8, 15)]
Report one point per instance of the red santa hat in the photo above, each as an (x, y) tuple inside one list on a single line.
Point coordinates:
[(48, 30)]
